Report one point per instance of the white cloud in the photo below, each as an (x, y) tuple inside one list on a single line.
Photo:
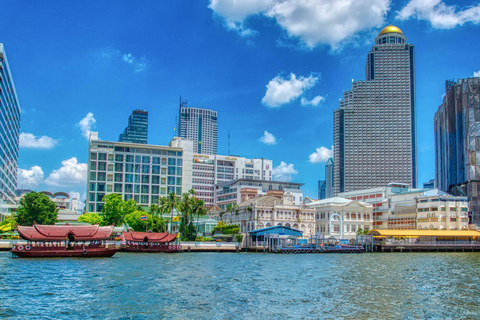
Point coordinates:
[(29, 140), (234, 12), (314, 102), (29, 178), (284, 171), (440, 15), (86, 125), (476, 73), (139, 64), (268, 138), (321, 154), (70, 173), (281, 91), (314, 22)]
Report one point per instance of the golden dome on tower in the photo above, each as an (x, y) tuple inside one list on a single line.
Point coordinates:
[(390, 29)]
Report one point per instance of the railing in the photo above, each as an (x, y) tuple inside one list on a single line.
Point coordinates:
[(429, 243)]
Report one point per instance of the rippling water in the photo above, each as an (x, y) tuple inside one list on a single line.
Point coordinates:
[(243, 286)]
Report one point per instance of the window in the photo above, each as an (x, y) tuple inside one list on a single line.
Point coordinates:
[(171, 161), (129, 167), (179, 171), (145, 168), (155, 160), (93, 165), (128, 177), (100, 186), (179, 162), (171, 171), (102, 166), (145, 189), (129, 158), (128, 188), (137, 168), (137, 178), (144, 199), (145, 159), (145, 179), (101, 176), (138, 159), (164, 160), (155, 179), (171, 180), (118, 187), (119, 167), (92, 175), (164, 170), (154, 199), (119, 157), (102, 156), (178, 191), (92, 186), (136, 188), (118, 177), (155, 169), (170, 189), (155, 189), (93, 156), (179, 181)]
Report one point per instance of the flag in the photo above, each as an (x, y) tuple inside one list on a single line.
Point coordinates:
[(175, 128), (176, 219), (143, 218)]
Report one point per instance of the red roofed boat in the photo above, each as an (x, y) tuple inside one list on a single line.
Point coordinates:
[(64, 241), (151, 242)]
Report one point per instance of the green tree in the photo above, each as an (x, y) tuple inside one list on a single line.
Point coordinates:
[(157, 216), (115, 209), (92, 218), (36, 207)]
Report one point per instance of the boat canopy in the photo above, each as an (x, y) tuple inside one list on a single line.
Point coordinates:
[(64, 232), (149, 236)]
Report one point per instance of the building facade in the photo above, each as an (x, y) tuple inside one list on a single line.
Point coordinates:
[(321, 189), (239, 190), (457, 142), (397, 206), (273, 209), (374, 127), (200, 126), (10, 135), (341, 218), (329, 179), (209, 170), (137, 128), (140, 172)]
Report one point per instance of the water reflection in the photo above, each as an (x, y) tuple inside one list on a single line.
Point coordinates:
[(239, 286)]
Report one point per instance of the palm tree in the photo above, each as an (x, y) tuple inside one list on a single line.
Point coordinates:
[(168, 204)]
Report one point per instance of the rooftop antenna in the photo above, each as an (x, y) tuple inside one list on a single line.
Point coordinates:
[(228, 142)]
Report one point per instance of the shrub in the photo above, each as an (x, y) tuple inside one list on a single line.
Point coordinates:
[(239, 238)]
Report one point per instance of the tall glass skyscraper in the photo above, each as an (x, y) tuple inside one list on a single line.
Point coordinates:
[(457, 143), (137, 129), (200, 126), (374, 127), (9, 132)]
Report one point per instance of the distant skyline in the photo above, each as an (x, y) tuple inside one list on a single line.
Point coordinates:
[(273, 70)]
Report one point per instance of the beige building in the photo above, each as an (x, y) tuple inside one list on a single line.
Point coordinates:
[(442, 213), (341, 218), (274, 209)]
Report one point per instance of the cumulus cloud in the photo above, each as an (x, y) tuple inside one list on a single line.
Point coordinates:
[(314, 22), (440, 15), (284, 171), (86, 125), (29, 140), (314, 102), (281, 91), (234, 12), (138, 64), (29, 178), (268, 138), (321, 154), (70, 173), (476, 73)]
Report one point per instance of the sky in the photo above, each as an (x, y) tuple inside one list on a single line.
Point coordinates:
[(274, 70)]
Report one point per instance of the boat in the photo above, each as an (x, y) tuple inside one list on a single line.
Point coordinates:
[(136, 241), (46, 241)]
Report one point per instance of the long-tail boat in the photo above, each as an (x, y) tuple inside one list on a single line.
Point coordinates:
[(64, 241), (136, 241)]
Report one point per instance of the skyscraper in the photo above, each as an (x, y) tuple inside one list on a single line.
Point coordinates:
[(321, 189), (137, 129), (329, 180), (457, 142), (374, 126), (200, 126), (9, 132)]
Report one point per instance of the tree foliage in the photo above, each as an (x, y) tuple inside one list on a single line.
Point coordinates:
[(153, 222), (115, 209), (92, 218), (36, 207)]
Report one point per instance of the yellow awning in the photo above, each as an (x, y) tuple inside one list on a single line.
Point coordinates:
[(423, 233)]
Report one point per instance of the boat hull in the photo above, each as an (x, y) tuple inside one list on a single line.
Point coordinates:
[(56, 252), (150, 248)]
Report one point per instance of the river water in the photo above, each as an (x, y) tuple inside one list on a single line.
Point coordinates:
[(243, 286)]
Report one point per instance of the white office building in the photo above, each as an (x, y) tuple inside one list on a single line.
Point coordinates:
[(140, 172), (209, 170)]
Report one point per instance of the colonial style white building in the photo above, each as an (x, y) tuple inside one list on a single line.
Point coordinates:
[(341, 218), (274, 209)]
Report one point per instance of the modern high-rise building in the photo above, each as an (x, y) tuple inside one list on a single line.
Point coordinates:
[(200, 126), (137, 129), (457, 143), (374, 127), (329, 179), (321, 189), (140, 172), (9, 133)]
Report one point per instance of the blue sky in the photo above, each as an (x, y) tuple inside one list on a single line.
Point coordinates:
[(274, 71)]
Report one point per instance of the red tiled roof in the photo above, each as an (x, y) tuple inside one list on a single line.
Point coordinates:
[(60, 233), (150, 236)]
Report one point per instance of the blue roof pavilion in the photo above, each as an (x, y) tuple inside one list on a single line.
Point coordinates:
[(279, 230)]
